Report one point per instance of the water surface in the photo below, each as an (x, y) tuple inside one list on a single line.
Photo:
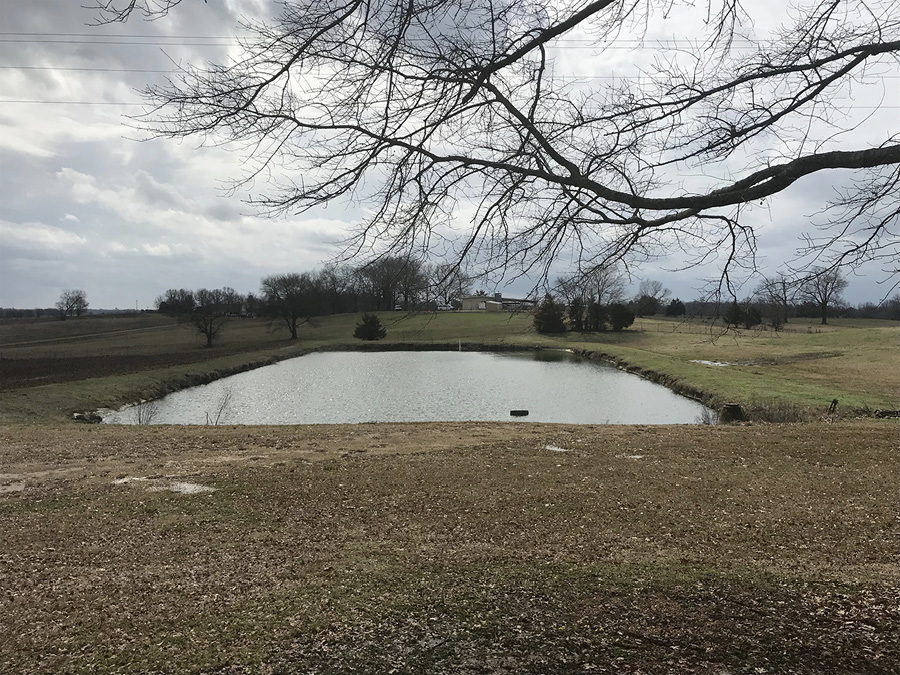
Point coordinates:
[(347, 387)]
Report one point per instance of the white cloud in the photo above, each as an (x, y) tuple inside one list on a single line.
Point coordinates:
[(21, 144), (38, 237)]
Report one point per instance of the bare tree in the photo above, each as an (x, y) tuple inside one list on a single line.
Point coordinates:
[(335, 283), (212, 311), (778, 292), (651, 297), (119, 11), (654, 289), (71, 302), (568, 290), (824, 289), (222, 407), (418, 107), (393, 281), (289, 299), (447, 283), (605, 284), (145, 411), (176, 302)]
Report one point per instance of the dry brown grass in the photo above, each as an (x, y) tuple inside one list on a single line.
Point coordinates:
[(448, 548)]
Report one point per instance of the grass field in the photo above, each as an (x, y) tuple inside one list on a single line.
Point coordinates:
[(50, 369), (467, 548)]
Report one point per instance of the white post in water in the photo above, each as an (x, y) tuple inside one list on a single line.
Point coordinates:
[(460, 345)]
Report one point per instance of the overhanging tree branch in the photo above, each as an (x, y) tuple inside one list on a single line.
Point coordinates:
[(422, 111)]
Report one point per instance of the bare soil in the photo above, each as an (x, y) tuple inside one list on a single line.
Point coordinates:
[(26, 372), (450, 548)]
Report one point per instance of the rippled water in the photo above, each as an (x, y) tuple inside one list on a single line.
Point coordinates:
[(340, 387)]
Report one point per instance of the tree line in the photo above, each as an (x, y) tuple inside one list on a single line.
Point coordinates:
[(291, 299), (597, 301), (396, 282)]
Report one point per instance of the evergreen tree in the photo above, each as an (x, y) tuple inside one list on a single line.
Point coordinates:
[(646, 305), (676, 308), (369, 328), (549, 316), (752, 317), (576, 314), (734, 315), (620, 316), (597, 316)]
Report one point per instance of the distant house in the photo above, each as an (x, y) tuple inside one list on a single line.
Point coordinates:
[(495, 303)]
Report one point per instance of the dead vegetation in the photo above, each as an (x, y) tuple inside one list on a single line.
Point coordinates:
[(449, 548)]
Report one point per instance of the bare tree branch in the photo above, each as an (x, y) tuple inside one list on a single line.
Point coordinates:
[(427, 111), (119, 11)]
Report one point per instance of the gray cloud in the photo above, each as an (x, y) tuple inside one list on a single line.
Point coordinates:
[(84, 205)]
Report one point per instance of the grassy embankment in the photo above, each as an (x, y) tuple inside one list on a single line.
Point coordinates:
[(50, 369)]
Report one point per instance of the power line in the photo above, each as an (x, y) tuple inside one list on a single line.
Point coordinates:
[(88, 70), (127, 44), (871, 78), (35, 101), (231, 41), (121, 35), (590, 41), (31, 101)]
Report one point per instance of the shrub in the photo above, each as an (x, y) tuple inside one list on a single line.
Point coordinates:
[(549, 316), (676, 308), (369, 328), (620, 316)]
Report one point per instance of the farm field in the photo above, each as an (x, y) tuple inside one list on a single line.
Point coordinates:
[(477, 548)]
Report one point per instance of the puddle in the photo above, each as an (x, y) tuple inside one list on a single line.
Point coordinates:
[(162, 485), (711, 363), (18, 486), (631, 456), (185, 488), (555, 448)]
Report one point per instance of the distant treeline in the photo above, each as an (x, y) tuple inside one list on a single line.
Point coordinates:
[(41, 312), (775, 301), (889, 310), (385, 284), (355, 302), (395, 282)]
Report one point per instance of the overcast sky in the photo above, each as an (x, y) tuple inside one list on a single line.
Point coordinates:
[(85, 205)]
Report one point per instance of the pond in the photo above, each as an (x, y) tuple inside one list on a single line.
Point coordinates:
[(348, 387)]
